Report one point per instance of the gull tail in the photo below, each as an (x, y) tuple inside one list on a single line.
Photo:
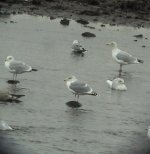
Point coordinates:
[(140, 61), (109, 82), (84, 50), (33, 69), (94, 93), (16, 96)]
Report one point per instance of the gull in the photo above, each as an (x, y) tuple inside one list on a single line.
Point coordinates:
[(117, 84), (78, 88), (4, 126), (148, 132), (17, 67), (122, 57), (6, 96), (77, 47)]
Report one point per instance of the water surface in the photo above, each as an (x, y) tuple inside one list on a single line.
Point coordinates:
[(111, 123)]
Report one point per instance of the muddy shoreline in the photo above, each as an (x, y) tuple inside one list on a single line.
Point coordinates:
[(107, 12)]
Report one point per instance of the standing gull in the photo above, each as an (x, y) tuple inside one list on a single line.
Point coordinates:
[(122, 57), (77, 47), (117, 84), (17, 67), (78, 88)]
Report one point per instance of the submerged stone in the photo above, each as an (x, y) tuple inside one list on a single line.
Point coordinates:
[(88, 34), (64, 22), (73, 104), (82, 21), (139, 36), (12, 82)]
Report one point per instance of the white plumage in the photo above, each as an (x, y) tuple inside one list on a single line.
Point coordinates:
[(117, 84)]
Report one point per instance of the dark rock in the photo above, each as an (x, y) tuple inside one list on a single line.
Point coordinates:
[(102, 25), (139, 36), (52, 18), (59, 7), (73, 104), (95, 20), (14, 12), (90, 13), (64, 22), (128, 16), (33, 8), (50, 0), (91, 27), (36, 2), (143, 46), (82, 21), (12, 22), (112, 24), (88, 34), (12, 82), (93, 2)]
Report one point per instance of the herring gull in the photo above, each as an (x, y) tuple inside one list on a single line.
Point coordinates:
[(77, 47), (17, 67), (4, 126), (78, 88), (148, 132), (122, 57), (117, 84)]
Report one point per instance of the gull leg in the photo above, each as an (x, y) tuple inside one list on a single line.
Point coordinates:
[(77, 98), (15, 77), (120, 70)]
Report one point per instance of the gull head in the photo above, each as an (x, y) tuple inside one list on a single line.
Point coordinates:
[(70, 78), (119, 80), (119, 84), (112, 44), (9, 58), (75, 42)]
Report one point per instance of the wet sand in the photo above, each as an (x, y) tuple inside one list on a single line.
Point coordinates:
[(112, 123)]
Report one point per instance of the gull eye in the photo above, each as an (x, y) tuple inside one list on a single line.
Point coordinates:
[(121, 81), (70, 78)]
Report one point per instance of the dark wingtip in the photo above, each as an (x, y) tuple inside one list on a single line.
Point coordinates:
[(33, 69), (17, 96), (84, 50), (94, 94), (140, 61)]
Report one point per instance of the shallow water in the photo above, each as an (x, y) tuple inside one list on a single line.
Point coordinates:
[(111, 123)]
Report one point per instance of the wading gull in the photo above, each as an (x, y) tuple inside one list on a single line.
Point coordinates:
[(77, 47), (122, 57), (78, 88), (148, 132), (117, 84), (17, 67), (4, 126)]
